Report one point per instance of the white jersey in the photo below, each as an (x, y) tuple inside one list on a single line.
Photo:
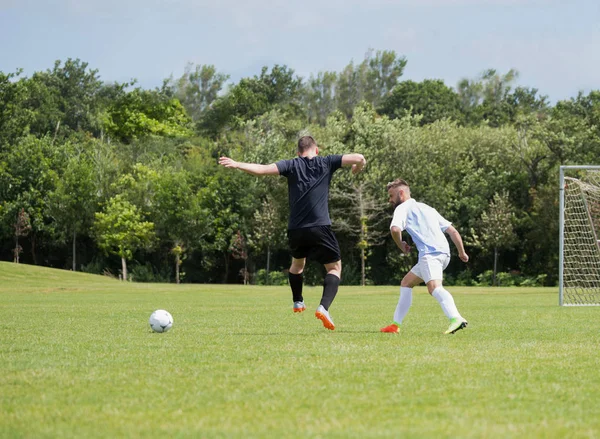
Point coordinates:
[(425, 225)]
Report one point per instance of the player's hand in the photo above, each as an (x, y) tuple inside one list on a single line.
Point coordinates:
[(463, 257), (356, 168), (405, 247), (227, 162)]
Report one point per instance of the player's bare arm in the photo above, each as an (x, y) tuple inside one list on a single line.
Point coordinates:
[(457, 240), (357, 161), (397, 236), (250, 168)]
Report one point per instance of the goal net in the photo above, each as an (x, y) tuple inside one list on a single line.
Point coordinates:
[(579, 274)]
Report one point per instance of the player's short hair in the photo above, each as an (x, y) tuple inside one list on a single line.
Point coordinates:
[(305, 143), (396, 183)]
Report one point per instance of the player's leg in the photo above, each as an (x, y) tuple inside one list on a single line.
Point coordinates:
[(326, 250), (296, 280), (331, 283), (330, 289), (296, 243), (433, 269), (409, 281)]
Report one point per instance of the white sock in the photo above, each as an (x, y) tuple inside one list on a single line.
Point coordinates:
[(446, 301), (403, 304)]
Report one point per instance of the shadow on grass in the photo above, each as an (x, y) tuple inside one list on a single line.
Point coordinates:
[(309, 334)]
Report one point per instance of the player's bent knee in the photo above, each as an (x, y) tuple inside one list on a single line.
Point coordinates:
[(334, 268)]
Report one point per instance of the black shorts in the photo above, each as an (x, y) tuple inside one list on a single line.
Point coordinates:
[(316, 243)]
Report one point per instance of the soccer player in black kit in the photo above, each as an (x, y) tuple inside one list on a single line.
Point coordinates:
[(309, 227)]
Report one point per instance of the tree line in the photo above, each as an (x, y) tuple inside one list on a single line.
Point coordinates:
[(117, 179)]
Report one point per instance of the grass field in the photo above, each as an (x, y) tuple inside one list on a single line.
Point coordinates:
[(78, 361)]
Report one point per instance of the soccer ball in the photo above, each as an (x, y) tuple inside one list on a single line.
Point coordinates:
[(161, 321)]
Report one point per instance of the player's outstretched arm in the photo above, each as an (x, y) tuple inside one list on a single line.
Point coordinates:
[(250, 168), (357, 161), (457, 240)]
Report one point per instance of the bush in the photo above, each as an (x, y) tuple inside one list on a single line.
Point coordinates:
[(510, 279), (94, 267), (275, 277), (462, 279), (507, 279), (537, 281), (147, 273)]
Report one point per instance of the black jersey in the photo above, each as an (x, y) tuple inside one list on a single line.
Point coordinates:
[(308, 189)]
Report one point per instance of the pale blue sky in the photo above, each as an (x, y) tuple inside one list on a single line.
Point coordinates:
[(555, 45)]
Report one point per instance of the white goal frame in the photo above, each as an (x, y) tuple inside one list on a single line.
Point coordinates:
[(566, 297)]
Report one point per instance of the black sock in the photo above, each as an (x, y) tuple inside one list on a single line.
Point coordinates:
[(330, 288), (296, 281)]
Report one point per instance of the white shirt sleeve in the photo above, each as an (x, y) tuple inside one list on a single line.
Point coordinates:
[(443, 222), (399, 219)]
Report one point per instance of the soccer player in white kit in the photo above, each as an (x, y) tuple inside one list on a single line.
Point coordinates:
[(426, 227)]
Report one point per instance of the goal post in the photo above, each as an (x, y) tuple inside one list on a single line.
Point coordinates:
[(579, 248)]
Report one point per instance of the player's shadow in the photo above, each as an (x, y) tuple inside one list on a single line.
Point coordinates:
[(309, 334)]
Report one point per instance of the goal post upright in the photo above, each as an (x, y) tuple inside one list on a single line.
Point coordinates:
[(583, 281), (561, 245)]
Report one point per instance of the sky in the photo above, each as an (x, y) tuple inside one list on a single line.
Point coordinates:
[(554, 45)]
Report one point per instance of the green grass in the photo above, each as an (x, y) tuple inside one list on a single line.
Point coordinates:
[(78, 360)]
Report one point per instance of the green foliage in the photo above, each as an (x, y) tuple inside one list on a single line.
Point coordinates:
[(142, 113), (431, 99), (252, 97), (70, 143), (147, 273), (15, 118), (95, 266), (510, 279), (197, 88), (274, 278), (320, 97), (496, 225), (368, 81), (119, 229), (73, 202)]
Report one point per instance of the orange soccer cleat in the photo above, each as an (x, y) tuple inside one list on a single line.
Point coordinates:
[(299, 307), (323, 315), (393, 328)]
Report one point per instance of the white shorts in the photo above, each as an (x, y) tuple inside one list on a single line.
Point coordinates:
[(431, 267)]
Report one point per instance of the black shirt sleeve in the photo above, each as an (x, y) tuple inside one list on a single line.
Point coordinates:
[(335, 162), (284, 167)]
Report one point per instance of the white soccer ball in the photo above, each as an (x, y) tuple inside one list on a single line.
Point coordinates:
[(161, 320)]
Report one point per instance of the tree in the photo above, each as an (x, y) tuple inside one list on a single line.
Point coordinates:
[(73, 203), (239, 250), (577, 119), (371, 80), (485, 98), (359, 214), (177, 214), (15, 117), (385, 68), (22, 228), (252, 97), (268, 230), (496, 228), (142, 113), (197, 88), (350, 88), (227, 210), (28, 174), (179, 252), (431, 99), (120, 230), (320, 96), (65, 99)]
